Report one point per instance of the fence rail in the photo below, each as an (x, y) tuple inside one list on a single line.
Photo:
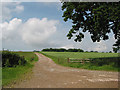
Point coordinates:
[(78, 60), (96, 61)]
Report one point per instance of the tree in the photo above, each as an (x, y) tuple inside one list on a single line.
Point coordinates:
[(110, 51), (63, 50), (117, 44), (99, 19), (115, 50)]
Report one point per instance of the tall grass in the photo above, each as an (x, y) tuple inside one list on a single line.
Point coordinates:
[(10, 75)]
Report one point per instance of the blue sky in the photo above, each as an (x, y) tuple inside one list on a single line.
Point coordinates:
[(40, 10), (38, 25)]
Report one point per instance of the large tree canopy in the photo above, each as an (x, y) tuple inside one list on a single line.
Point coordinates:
[(99, 19)]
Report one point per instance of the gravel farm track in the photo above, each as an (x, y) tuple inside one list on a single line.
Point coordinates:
[(47, 74)]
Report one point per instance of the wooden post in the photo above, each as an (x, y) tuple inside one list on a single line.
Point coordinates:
[(58, 60), (68, 60), (83, 61)]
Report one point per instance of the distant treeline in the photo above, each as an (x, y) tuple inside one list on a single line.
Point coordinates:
[(63, 50)]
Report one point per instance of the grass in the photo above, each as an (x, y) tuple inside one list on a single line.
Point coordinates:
[(0, 77), (11, 74), (61, 58), (80, 54), (28, 56)]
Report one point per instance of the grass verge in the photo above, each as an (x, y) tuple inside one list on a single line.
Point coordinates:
[(11, 74)]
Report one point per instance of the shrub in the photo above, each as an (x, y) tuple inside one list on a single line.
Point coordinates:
[(114, 61), (10, 59), (32, 58)]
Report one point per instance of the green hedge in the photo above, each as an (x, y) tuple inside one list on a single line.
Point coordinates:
[(11, 59), (114, 61)]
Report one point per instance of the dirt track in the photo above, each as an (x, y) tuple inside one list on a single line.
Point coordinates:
[(46, 74)]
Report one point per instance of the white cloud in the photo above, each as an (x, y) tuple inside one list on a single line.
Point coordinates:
[(19, 8), (43, 33), (36, 31), (10, 7), (100, 46), (68, 46), (88, 45), (10, 29)]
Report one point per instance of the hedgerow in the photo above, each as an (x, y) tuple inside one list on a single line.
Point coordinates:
[(11, 59)]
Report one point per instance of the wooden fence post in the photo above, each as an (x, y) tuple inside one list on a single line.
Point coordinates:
[(83, 61), (58, 60), (68, 60)]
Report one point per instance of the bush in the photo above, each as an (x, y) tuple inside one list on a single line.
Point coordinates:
[(114, 61), (10, 59), (32, 58)]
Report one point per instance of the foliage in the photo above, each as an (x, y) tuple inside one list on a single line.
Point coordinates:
[(75, 50), (117, 44), (115, 50), (63, 50), (55, 50), (32, 58), (10, 59), (115, 61), (28, 56), (99, 19), (36, 51)]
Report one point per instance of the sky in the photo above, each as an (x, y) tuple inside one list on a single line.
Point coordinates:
[(38, 25)]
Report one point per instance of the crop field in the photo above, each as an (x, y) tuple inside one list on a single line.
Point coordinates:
[(80, 54), (61, 58), (11, 74)]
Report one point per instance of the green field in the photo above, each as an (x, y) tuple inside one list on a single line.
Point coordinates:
[(11, 74), (28, 55), (61, 58), (80, 54)]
